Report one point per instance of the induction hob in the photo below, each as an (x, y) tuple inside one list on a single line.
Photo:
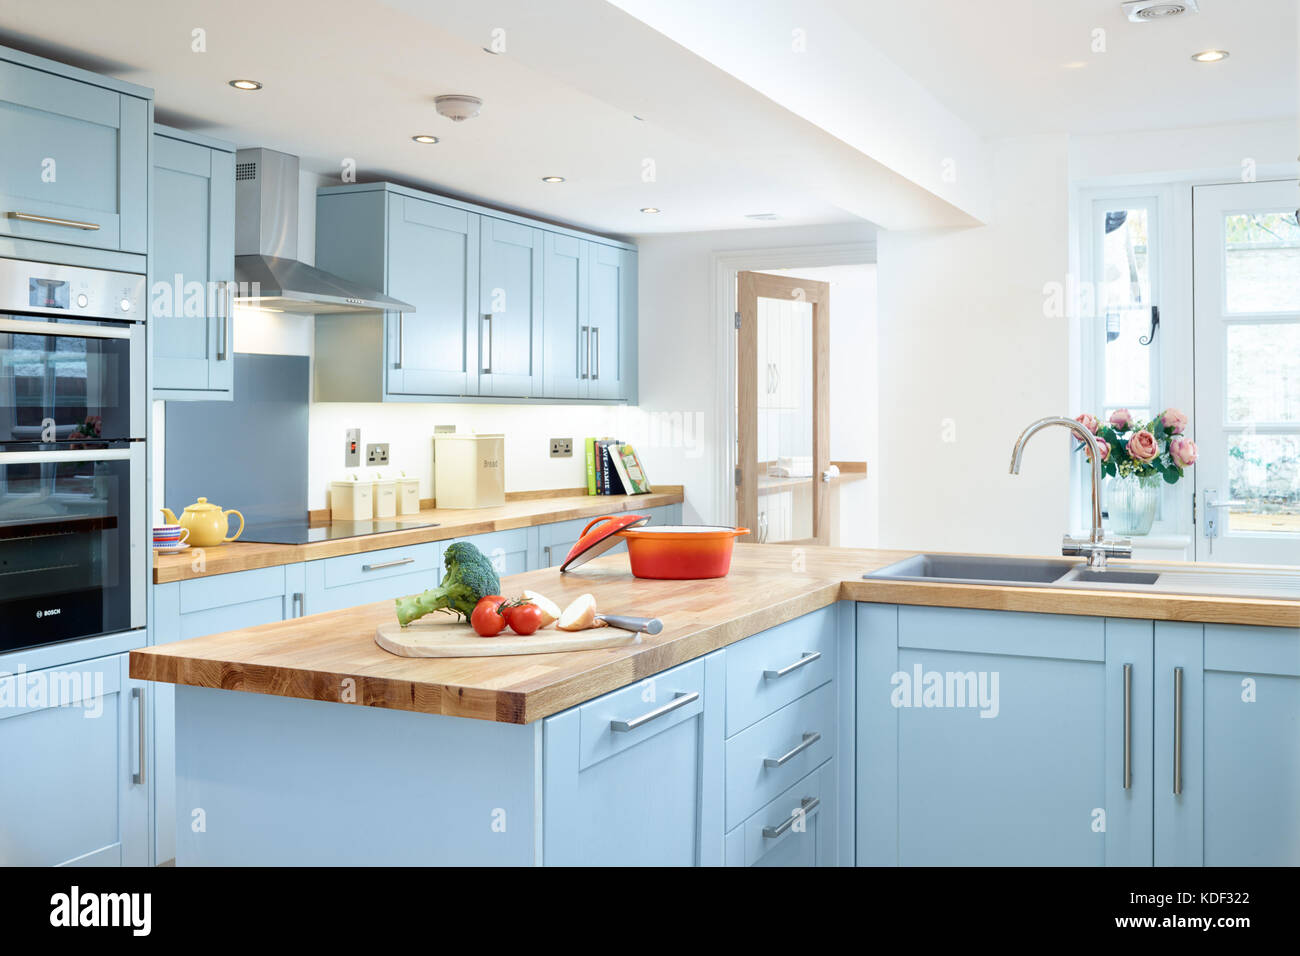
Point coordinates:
[(301, 532)]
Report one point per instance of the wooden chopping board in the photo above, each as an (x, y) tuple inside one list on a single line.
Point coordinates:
[(438, 635)]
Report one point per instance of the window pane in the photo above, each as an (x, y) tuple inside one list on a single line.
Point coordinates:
[(1264, 473), (1264, 372), (1124, 300), (1128, 363), (1262, 262)]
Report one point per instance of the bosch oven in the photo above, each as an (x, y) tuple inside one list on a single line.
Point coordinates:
[(73, 516)]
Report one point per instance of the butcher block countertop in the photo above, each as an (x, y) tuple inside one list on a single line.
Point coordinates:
[(451, 523), (334, 657)]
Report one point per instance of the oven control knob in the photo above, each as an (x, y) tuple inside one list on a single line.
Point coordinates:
[(82, 300), (126, 305)]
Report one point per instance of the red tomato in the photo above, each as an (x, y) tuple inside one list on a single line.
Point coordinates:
[(486, 619), (525, 619)]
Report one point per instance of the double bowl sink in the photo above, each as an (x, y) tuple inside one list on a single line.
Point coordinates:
[(999, 571)]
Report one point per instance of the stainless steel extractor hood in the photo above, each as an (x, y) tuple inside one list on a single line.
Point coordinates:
[(267, 269)]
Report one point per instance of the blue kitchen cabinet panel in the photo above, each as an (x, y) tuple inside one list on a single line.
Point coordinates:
[(349, 580), (634, 778), (75, 165), (566, 272), (999, 738), (510, 322), (612, 317), (74, 790), (194, 255), (1227, 759), (511, 552), (796, 829)]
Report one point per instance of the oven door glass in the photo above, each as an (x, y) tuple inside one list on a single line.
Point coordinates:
[(70, 382), (69, 545)]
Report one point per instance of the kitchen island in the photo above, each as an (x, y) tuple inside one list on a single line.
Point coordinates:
[(304, 742)]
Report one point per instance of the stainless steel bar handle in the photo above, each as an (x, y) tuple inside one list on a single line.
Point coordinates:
[(138, 694), (485, 347), (595, 352), (223, 333), (785, 758), (387, 564), (74, 331), (53, 220), (46, 457), (584, 349), (297, 604), (806, 806), (808, 658), (546, 549), (401, 341), (1128, 726), (680, 699), (1178, 731)]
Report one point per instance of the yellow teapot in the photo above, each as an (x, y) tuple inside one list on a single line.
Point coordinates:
[(206, 523)]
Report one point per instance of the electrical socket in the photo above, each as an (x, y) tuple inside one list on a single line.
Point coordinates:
[(561, 447), (352, 448), (377, 454)]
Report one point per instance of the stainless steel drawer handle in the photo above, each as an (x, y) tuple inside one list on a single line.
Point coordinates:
[(62, 455), (584, 361), (53, 220), (595, 353), (808, 741), (1178, 731), (1128, 726), (387, 564), (485, 347), (72, 331), (298, 603), (680, 700), (138, 694), (808, 658), (806, 806)]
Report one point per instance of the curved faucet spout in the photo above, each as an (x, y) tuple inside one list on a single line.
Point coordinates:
[(1094, 453)]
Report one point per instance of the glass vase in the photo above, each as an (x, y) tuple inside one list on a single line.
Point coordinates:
[(1131, 503)]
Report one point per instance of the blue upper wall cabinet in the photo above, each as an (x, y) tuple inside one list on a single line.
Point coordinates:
[(74, 169), (501, 303), (194, 258)]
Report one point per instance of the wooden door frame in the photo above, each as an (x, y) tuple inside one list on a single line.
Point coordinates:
[(750, 288)]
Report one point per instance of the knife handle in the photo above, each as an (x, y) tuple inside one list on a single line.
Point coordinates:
[(650, 625)]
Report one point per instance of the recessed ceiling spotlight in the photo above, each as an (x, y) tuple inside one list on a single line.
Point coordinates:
[(1210, 56), (425, 138), (1146, 11), (1074, 65), (246, 84), (552, 179), (649, 208)]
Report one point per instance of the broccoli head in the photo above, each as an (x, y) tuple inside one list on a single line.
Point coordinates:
[(470, 576)]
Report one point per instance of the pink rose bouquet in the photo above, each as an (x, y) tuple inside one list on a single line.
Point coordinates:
[(1142, 449)]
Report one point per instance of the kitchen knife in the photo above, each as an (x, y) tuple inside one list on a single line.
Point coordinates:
[(649, 625)]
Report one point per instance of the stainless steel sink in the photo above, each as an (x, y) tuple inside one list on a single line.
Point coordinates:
[(1111, 575), (977, 569)]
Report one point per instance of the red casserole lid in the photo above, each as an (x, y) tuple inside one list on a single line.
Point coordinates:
[(599, 536)]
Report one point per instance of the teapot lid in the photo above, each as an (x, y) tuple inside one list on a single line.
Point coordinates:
[(202, 505)]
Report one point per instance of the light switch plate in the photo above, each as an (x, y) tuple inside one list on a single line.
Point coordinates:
[(377, 454), (561, 447), (352, 448)]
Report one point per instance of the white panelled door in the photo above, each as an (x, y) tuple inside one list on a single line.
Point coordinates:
[(1247, 338)]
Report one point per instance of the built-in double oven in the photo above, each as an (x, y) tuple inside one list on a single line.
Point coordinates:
[(73, 515)]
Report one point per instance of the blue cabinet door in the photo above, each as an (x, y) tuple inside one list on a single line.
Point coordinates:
[(433, 253), (566, 267), (988, 737), (613, 355), (1227, 757), (75, 163), (509, 324), (633, 778), (76, 769), (511, 552), (193, 261)]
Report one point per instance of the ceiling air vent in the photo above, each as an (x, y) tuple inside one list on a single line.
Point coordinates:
[(1144, 11)]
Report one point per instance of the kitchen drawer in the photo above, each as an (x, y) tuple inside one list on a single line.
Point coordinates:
[(509, 551), (222, 590), (765, 672), (790, 735), (806, 842), (599, 740), (350, 569)]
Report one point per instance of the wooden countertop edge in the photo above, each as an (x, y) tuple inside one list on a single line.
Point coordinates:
[(226, 559)]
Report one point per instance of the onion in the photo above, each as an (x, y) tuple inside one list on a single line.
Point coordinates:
[(550, 610), (580, 615)]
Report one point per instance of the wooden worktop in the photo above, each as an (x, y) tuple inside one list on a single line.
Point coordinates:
[(333, 656), (451, 523)]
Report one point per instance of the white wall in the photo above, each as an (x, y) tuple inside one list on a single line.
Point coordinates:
[(968, 359)]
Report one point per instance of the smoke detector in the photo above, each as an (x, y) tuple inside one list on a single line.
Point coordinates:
[(1144, 11), (457, 107)]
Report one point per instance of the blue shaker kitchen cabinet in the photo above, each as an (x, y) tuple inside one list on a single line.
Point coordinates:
[(634, 778), (566, 272), (192, 266), (612, 354), (75, 787), (509, 323), (75, 165), (1001, 738), (1227, 745)]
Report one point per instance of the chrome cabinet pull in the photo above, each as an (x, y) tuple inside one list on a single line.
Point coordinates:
[(1128, 726), (1178, 731), (485, 359), (297, 603), (584, 350), (806, 806), (781, 761), (387, 564), (62, 454), (72, 331), (546, 549), (53, 220), (680, 699), (223, 335), (138, 694), (595, 352), (401, 341), (808, 658)]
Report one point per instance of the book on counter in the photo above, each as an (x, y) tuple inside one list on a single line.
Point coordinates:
[(613, 468)]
